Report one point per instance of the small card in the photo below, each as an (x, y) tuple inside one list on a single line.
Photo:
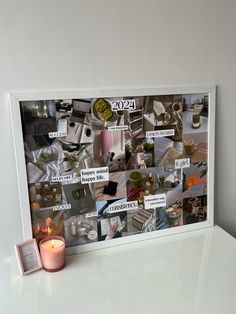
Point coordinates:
[(126, 104), (118, 128), (155, 201), (57, 134), (120, 207), (91, 215), (93, 175), (61, 207), (62, 178), (160, 133), (182, 163)]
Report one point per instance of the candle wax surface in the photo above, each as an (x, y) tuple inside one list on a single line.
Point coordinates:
[(52, 244)]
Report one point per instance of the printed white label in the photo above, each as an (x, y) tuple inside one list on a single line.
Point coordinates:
[(61, 207), (120, 207), (154, 201), (160, 133), (182, 163), (62, 178), (126, 104), (118, 128), (93, 175), (57, 134), (90, 215)]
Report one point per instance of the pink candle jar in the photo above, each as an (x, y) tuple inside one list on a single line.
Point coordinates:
[(52, 251)]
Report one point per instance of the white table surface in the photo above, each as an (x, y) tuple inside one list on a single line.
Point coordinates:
[(192, 272)]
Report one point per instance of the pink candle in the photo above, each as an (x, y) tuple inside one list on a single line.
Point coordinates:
[(105, 142), (52, 250)]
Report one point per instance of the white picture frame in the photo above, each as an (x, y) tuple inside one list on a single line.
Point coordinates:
[(16, 97), (28, 257)]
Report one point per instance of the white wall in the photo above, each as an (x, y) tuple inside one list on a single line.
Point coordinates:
[(69, 44)]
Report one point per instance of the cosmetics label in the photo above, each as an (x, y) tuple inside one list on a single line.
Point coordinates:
[(57, 134), (90, 215), (182, 163), (93, 175), (154, 201), (118, 128), (61, 207), (160, 133), (120, 207), (62, 178), (127, 104)]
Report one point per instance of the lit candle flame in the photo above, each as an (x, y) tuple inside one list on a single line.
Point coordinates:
[(49, 230), (53, 243)]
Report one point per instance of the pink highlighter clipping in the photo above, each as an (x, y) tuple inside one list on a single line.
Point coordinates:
[(105, 142)]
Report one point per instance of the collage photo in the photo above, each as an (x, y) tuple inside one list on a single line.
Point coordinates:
[(152, 149)]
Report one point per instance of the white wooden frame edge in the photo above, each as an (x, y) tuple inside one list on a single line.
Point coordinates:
[(16, 97)]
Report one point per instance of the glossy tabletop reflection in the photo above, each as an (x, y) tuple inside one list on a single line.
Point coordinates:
[(193, 272)]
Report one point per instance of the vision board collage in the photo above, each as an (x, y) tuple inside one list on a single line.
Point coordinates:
[(104, 168)]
